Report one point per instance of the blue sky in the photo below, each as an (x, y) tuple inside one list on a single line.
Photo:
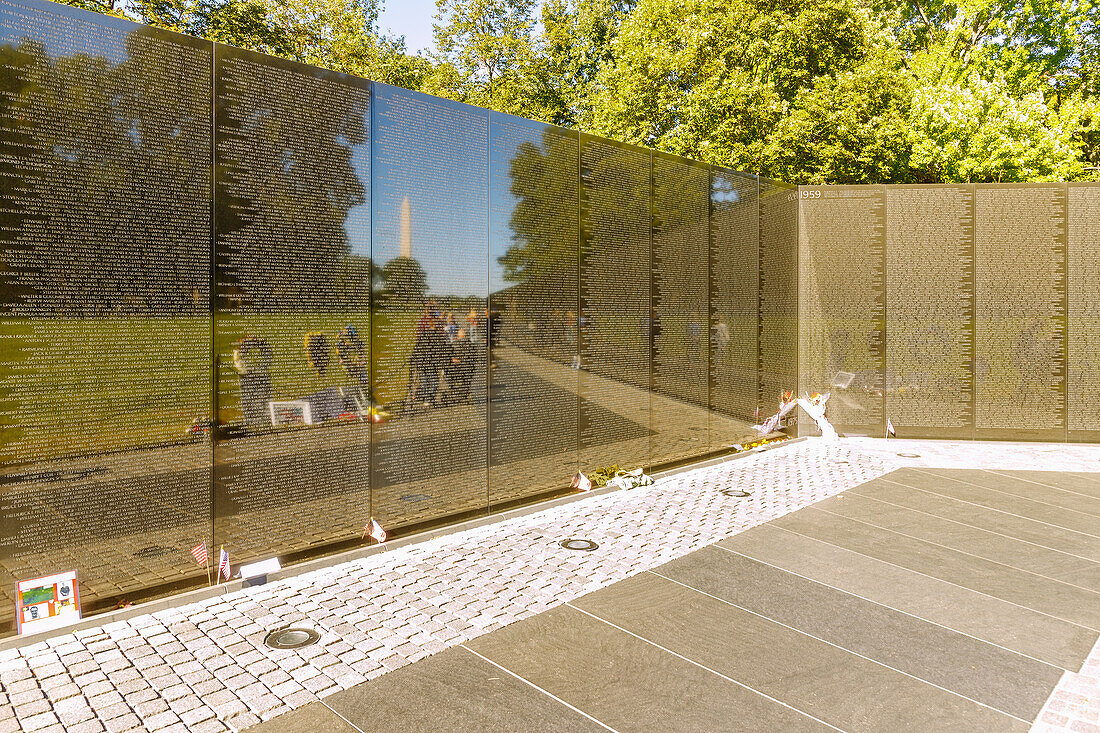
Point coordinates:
[(409, 18)]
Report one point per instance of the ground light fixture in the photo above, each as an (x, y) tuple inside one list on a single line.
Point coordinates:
[(736, 493), (289, 637), (578, 544)]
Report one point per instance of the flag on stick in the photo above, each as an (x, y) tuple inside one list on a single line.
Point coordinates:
[(223, 566), (890, 428), (582, 482), (199, 553), (374, 531)]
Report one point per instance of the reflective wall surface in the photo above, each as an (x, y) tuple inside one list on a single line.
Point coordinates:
[(990, 317), (292, 303), (842, 300), (534, 260), (105, 332), (250, 303), (430, 229)]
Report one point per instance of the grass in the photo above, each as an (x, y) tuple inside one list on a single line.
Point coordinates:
[(79, 386)]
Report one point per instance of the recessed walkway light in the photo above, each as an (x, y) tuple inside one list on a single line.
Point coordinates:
[(736, 493), (578, 544), (291, 638)]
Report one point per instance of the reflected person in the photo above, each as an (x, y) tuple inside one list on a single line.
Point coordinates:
[(252, 360)]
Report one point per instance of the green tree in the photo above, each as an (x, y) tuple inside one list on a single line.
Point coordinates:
[(489, 43), (406, 283), (1004, 90), (797, 89), (576, 43)]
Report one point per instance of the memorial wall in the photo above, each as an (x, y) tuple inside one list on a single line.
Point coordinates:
[(734, 295), (251, 304), (292, 310), (930, 310), (842, 301), (679, 286), (617, 323), (777, 303), (430, 239), (534, 251), (990, 314), (1083, 341), (105, 329)]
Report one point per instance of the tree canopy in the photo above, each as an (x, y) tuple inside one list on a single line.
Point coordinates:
[(815, 91)]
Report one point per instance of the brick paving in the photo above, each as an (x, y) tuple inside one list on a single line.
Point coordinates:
[(1075, 703), (204, 667)]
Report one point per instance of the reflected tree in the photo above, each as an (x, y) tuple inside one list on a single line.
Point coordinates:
[(107, 179), (285, 183), (405, 282)]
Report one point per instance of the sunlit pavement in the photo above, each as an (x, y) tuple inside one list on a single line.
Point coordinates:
[(944, 589)]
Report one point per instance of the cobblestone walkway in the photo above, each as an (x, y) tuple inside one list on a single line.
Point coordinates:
[(204, 667)]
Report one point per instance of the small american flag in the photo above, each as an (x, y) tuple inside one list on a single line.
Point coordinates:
[(374, 530), (890, 428), (223, 564), (199, 553)]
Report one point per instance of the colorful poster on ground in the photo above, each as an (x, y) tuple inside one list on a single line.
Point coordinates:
[(43, 604)]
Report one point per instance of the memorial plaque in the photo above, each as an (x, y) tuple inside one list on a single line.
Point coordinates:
[(1020, 311), (734, 299), (1084, 312), (431, 240), (680, 306), (292, 320), (778, 334), (533, 266), (842, 301), (930, 311), (105, 386), (616, 321)]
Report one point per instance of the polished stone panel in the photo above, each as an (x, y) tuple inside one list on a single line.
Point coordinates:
[(533, 269), (930, 310), (734, 298), (105, 343), (1083, 325), (429, 224), (680, 305), (778, 288), (616, 321), (842, 302), (292, 319), (1020, 309)]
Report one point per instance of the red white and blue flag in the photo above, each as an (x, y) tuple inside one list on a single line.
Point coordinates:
[(374, 531), (199, 553), (223, 565)]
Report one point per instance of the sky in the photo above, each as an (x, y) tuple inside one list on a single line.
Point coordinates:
[(409, 18)]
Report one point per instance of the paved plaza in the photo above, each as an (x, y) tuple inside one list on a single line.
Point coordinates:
[(865, 585)]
